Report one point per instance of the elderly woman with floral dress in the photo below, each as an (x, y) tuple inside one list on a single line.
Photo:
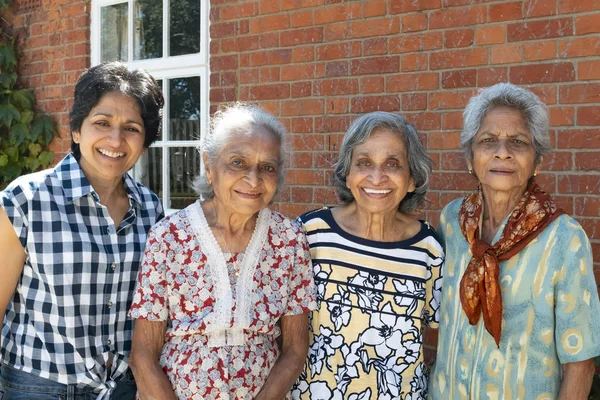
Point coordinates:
[(222, 279), (520, 309)]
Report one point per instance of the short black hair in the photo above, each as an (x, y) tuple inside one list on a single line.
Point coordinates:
[(115, 77)]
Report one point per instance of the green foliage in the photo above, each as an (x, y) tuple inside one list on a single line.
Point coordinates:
[(24, 134)]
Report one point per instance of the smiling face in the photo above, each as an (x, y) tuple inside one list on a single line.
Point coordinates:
[(245, 173), (379, 176), (111, 138), (503, 154)]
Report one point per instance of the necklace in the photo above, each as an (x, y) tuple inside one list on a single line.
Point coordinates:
[(236, 272)]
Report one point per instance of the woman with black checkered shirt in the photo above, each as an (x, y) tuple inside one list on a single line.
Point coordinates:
[(71, 240)]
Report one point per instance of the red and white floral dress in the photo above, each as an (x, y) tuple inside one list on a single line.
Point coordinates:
[(222, 319)]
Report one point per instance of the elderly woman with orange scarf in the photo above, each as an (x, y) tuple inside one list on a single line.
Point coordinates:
[(520, 317)]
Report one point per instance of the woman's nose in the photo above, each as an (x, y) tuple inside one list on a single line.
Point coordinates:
[(503, 150)]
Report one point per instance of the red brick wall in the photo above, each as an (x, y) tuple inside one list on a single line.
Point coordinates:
[(53, 50), (317, 64)]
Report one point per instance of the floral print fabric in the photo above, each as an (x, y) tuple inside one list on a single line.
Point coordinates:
[(374, 299), (222, 358)]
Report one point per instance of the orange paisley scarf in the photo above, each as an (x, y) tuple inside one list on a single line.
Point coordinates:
[(480, 288)]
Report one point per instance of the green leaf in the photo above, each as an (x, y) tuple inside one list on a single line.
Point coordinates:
[(8, 61), (11, 172), (8, 114), (13, 154), (46, 158), (34, 149), (23, 98), (32, 163), (43, 129), (3, 160), (5, 3), (7, 81), (26, 118), (18, 133)]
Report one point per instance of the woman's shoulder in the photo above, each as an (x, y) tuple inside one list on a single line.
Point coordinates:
[(179, 220), (319, 213), (284, 223), (29, 187), (565, 226)]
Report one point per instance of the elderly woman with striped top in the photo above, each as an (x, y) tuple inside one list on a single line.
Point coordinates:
[(377, 269)]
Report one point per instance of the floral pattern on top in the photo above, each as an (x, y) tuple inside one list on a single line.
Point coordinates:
[(222, 358)]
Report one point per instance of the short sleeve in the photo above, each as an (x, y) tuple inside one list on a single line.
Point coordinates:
[(150, 295), (302, 291), (433, 285), (577, 308), (16, 206)]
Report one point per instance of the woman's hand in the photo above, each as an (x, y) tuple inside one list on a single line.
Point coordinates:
[(294, 350), (148, 340), (13, 261)]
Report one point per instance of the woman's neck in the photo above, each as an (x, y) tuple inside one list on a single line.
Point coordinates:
[(389, 226), (497, 206)]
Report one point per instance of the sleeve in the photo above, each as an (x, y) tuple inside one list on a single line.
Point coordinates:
[(150, 295), (433, 286), (302, 296), (16, 206), (577, 309)]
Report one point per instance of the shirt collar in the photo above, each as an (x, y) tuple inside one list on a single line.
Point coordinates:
[(75, 185)]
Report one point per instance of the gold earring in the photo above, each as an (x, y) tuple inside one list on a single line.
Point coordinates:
[(535, 174), (470, 171)]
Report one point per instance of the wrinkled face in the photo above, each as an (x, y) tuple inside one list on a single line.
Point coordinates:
[(379, 176), (503, 152), (244, 174), (111, 138)]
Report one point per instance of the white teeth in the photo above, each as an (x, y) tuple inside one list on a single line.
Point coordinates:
[(111, 154), (373, 191)]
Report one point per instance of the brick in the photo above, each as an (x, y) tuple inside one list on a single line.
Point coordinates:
[(588, 116), (325, 196), (587, 70), (308, 142), (562, 116), (365, 104), (221, 63), (222, 95), (413, 62), (453, 181), (301, 36), (443, 140), (342, 12), (542, 29), (425, 121), (580, 93), (587, 161), (586, 205), (372, 84), (301, 159), (375, 46), (269, 23), (269, 6), (268, 40), (297, 72), (453, 99), (414, 101), (506, 53), (269, 57), (237, 11), (373, 27), (579, 139), (336, 87), (249, 76), (328, 124), (458, 38), (414, 22), (336, 68), (579, 184), (375, 65), (269, 74), (302, 107), (459, 78), (295, 4), (302, 194), (219, 30), (302, 18), (585, 24), (412, 82), (301, 89), (540, 50), (228, 79), (457, 17), (564, 202), (494, 34), (403, 6), (337, 105), (303, 54), (542, 73), (453, 161), (416, 42), (490, 76), (458, 58), (374, 8), (572, 6), (539, 8), (546, 93), (452, 120), (238, 44), (455, 3), (579, 47), (305, 177), (338, 50), (505, 11)]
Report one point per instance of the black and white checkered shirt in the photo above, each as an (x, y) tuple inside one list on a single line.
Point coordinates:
[(68, 316)]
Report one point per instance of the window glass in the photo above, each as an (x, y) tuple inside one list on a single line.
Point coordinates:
[(148, 29), (185, 27), (114, 32)]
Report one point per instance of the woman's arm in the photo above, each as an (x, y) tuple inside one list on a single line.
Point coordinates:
[(13, 260), (294, 350), (147, 343), (577, 380)]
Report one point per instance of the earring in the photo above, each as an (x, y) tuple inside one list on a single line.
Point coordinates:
[(535, 174), (470, 171)]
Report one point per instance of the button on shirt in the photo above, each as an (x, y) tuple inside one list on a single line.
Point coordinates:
[(68, 317)]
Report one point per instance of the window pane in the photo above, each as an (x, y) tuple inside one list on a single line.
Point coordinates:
[(148, 29), (114, 32), (149, 170), (184, 166), (184, 108), (185, 27)]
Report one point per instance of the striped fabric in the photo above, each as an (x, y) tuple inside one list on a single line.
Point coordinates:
[(374, 299)]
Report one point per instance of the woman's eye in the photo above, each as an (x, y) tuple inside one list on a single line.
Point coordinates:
[(268, 168), (363, 163), (392, 164), (236, 162), (133, 130), (488, 140), (101, 123)]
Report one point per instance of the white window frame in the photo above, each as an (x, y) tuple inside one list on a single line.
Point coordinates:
[(164, 68)]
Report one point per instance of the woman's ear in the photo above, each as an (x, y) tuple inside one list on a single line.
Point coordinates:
[(206, 168), (76, 136)]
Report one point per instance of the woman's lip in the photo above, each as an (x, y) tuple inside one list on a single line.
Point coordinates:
[(249, 195), (501, 171)]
